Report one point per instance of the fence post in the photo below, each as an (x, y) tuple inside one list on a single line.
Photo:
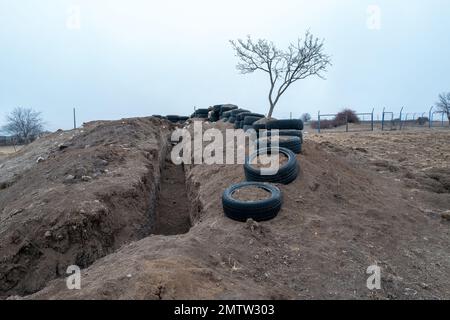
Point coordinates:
[(442, 121), (401, 124), (371, 120), (74, 119), (318, 122), (430, 116), (382, 120)]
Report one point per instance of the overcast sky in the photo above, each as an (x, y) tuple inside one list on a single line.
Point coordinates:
[(113, 59)]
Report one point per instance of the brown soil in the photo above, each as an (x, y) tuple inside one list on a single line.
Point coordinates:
[(251, 194), (282, 160), (93, 190), (342, 214)]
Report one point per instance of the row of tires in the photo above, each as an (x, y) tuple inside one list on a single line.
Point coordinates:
[(290, 134), (212, 114)]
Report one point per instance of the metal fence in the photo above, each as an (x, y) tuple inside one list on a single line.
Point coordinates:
[(328, 123), (389, 121)]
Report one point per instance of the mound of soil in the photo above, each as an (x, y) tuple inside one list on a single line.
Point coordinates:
[(91, 191), (339, 217)]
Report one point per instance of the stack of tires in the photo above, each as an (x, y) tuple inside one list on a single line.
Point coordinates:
[(225, 111), (288, 131), (234, 113), (257, 176), (200, 113), (226, 116)]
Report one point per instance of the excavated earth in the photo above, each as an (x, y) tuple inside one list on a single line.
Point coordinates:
[(73, 197), (137, 235)]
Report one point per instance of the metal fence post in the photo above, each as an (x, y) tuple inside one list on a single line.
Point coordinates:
[(401, 124), (318, 122), (371, 120), (430, 118), (382, 120)]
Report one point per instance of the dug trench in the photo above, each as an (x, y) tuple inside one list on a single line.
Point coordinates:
[(95, 190), (171, 215)]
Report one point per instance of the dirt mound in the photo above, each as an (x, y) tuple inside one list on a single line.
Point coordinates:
[(92, 191), (338, 218)]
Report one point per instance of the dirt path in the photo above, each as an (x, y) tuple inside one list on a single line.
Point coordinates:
[(172, 209)]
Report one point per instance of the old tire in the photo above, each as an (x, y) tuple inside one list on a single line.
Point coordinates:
[(285, 174), (296, 124), (260, 210), (289, 142), (249, 120)]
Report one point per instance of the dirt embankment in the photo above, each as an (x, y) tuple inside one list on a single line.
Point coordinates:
[(76, 196), (339, 217)]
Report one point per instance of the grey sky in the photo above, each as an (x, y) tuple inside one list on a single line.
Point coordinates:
[(137, 58)]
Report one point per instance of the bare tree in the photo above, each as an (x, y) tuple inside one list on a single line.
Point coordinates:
[(444, 104), (301, 60), (306, 117), (24, 123)]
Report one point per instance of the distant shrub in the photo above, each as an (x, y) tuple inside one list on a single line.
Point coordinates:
[(306, 117), (346, 115), (422, 120)]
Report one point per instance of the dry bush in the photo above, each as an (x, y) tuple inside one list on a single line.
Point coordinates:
[(346, 115)]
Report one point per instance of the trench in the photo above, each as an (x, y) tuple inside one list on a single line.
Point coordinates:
[(171, 215)]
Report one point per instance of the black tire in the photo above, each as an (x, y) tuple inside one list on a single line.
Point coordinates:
[(238, 111), (173, 118), (201, 111), (259, 115), (259, 126), (249, 120), (289, 142), (285, 174), (232, 119), (260, 210), (183, 118), (247, 127), (296, 124), (226, 108), (241, 116), (290, 133)]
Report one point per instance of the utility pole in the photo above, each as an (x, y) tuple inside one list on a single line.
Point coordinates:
[(74, 119)]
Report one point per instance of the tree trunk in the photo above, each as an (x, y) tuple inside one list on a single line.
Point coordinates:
[(272, 106)]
